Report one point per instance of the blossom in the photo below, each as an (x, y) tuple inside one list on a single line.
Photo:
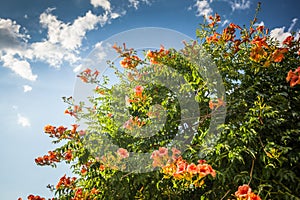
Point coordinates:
[(153, 56), (127, 124), (65, 182), (253, 196), (205, 169), (175, 153), (68, 155), (71, 113), (130, 62), (201, 161), (49, 129), (75, 126), (102, 167), (260, 42), (213, 38), (260, 28), (293, 77), (94, 191), (181, 165), (192, 168), (278, 54), (214, 20), (257, 53), (288, 40), (123, 153), (169, 169), (162, 151), (220, 103), (87, 71), (83, 170), (61, 130), (32, 197), (138, 90), (82, 132), (243, 191), (48, 159)]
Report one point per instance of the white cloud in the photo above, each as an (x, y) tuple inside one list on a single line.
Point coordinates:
[(279, 35), (23, 121), (239, 4), (10, 35), (27, 88), (115, 15), (68, 35), (100, 49), (12, 42), (62, 43), (105, 4), (136, 3), (20, 67), (53, 54), (294, 21), (260, 24), (226, 21), (203, 8)]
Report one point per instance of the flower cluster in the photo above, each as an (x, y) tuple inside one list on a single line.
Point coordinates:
[(68, 156), (73, 111), (88, 76), (123, 153), (130, 60), (244, 192), (176, 167), (215, 105), (214, 20), (33, 197), (66, 182), (261, 50), (293, 77), (154, 56), (80, 194), (132, 123), (49, 159), (61, 132)]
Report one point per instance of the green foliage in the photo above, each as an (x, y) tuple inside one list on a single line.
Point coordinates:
[(258, 143)]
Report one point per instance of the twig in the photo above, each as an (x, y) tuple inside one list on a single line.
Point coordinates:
[(225, 194), (251, 171)]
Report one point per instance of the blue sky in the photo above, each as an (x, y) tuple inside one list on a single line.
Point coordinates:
[(43, 43)]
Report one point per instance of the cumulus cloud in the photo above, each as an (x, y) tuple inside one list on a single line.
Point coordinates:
[(10, 34), (136, 3), (279, 34), (294, 21), (23, 121), (239, 4), (203, 8), (61, 44), (260, 24), (68, 35), (105, 4), (20, 67), (27, 88)]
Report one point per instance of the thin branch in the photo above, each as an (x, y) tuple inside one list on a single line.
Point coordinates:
[(225, 194), (251, 171)]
